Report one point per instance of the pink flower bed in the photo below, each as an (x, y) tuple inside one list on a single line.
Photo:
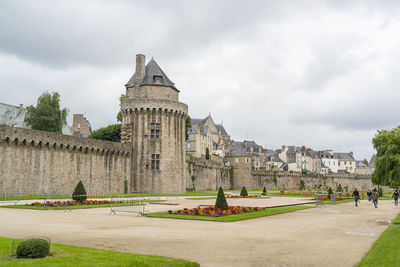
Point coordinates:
[(213, 212)]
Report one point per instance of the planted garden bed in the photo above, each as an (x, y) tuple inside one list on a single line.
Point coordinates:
[(213, 212)]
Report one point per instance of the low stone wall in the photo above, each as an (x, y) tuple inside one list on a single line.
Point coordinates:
[(291, 181), (35, 162), (208, 175)]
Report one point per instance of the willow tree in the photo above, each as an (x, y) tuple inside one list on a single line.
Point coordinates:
[(387, 159)]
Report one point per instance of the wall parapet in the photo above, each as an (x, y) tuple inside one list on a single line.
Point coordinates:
[(309, 175), (58, 140)]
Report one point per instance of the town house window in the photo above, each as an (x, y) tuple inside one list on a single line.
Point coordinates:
[(155, 161), (154, 130)]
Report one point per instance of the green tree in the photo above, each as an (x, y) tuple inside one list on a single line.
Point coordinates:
[(188, 125), (243, 192), (119, 114), (110, 133), (207, 153), (330, 192), (339, 188), (79, 193), (221, 203), (387, 159), (47, 115), (302, 186)]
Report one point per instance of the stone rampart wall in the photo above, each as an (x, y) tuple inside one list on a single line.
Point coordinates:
[(208, 175), (35, 162)]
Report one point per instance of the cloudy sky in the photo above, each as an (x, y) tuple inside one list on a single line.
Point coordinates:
[(323, 74)]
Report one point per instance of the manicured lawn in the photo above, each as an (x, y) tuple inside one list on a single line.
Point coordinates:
[(63, 255), (201, 198), (385, 251), (71, 207), (230, 218), (194, 193)]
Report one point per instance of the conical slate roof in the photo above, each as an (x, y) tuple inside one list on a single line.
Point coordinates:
[(152, 69)]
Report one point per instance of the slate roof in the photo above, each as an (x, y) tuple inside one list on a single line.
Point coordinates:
[(343, 156), (152, 69), (372, 161), (238, 150), (361, 165), (221, 128)]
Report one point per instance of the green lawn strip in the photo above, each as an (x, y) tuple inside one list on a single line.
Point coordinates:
[(385, 250), (193, 193), (201, 198), (63, 255), (397, 219), (230, 218), (71, 207)]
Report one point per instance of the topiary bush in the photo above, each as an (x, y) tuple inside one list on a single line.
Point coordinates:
[(33, 248), (339, 188), (243, 192), (264, 192), (79, 193), (330, 192), (221, 203)]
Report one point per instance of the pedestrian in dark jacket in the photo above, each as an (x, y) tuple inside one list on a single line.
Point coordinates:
[(375, 197), (356, 196), (369, 194), (396, 197)]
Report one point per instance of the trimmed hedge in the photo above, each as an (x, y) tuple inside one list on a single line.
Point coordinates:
[(264, 192), (221, 203), (79, 193), (33, 248)]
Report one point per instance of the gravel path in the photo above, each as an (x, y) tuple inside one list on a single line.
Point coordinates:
[(333, 235)]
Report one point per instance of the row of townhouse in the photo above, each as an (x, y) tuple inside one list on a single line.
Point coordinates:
[(206, 135)]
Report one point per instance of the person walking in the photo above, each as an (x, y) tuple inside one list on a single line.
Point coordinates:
[(375, 197), (369, 194), (356, 196), (396, 197)]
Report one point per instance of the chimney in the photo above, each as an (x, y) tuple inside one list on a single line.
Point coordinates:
[(303, 148), (351, 153), (140, 68), (283, 148)]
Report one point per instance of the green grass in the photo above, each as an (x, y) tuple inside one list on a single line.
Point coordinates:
[(71, 207), (397, 219), (194, 193), (201, 198), (385, 251), (69, 256), (230, 218)]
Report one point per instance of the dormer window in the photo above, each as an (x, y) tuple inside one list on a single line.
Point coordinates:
[(157, 79)]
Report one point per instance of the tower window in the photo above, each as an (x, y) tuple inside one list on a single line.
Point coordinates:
[(154, 130), (157, 79), (155, 161)]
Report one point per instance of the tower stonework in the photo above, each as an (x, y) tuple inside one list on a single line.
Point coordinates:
[(153, 122)]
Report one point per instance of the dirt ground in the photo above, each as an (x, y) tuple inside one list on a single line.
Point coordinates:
[(332, 235)]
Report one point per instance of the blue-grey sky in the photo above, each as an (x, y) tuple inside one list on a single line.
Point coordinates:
[(317, 73)]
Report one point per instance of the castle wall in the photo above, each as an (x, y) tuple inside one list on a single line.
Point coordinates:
[(208, 175), (35, 162)]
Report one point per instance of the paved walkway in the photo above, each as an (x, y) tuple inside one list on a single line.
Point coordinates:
[(334, 235)]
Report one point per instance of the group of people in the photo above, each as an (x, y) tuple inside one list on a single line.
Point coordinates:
[(374, 195)]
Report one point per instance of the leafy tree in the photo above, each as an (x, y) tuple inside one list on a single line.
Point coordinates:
[(110, 133), (79, 193), (47, 115), (188, 125), (119, 114), (264, 192), (221, 203), (243, 192), (207, 153), (387, 159)]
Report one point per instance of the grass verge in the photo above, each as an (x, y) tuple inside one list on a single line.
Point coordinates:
[(71, 207), (385, 250), (63, 255), (230, 218)]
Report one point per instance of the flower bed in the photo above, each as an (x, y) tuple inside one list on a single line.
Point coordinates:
[(72, 203), (213, 212), (238, 196)]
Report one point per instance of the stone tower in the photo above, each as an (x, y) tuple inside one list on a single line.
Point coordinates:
[(153, 121)]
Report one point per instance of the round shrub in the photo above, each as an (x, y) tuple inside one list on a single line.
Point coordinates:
[(33, 248)]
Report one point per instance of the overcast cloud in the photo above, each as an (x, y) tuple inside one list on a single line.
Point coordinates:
[(318, 73)]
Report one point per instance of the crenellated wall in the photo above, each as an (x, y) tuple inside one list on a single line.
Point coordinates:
[(35, 162)]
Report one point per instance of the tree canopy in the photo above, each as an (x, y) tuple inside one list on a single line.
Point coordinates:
[(188, 125), (47, 115), (387, 159), (110, 133)]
